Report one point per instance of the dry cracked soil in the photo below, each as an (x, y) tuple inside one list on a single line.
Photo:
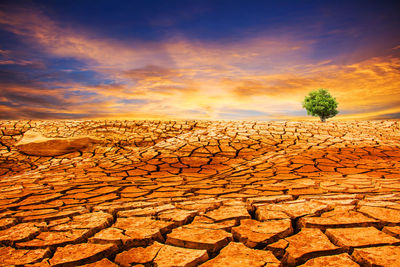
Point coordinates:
[(208, 193)]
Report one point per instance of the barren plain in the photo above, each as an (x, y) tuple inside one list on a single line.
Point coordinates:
[(208, 193)]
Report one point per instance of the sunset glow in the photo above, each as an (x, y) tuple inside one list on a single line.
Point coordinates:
[(197, 59)]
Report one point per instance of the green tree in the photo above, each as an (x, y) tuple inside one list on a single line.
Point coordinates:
[(320, 103)]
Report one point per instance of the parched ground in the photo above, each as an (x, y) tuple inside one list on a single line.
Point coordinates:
[(207, 193)]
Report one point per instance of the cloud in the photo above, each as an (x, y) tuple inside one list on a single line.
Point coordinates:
[(150, 71), (66, 40), (367, 85), (255, 77), (8, 57), (248, 114)]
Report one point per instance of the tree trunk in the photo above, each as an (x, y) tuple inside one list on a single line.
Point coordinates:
[(323, 119)]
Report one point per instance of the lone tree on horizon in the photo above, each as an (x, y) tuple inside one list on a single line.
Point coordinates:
[(320, 103)]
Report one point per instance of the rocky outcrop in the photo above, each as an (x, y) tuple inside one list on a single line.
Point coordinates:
[(35, 144)]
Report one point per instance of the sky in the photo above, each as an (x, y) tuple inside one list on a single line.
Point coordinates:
[(172, 60)]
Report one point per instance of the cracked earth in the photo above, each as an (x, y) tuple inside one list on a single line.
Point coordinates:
[(208, 193)]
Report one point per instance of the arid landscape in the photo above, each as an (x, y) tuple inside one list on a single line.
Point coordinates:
[(209, 193), (199, 133)]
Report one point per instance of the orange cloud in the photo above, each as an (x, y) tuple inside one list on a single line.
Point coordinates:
[(365, 86), (181, 78)]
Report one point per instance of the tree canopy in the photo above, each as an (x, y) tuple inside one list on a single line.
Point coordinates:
[(320, 103)]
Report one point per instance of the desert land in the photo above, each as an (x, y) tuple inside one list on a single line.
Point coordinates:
[(208, 193)]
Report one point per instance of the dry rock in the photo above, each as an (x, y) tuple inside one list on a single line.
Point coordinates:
[(255, 234), (72, 255), (238, 255), (35, 144), (228, 212), (199, 238), (337, 219), (378, 256), (297, 209), (180, 257), (387, 216), (339, 260), (357, 237), (138, 255), (135, 231), (308, 243), (10, 256)]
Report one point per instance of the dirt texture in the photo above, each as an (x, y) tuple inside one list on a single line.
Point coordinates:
[(190, 193)]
